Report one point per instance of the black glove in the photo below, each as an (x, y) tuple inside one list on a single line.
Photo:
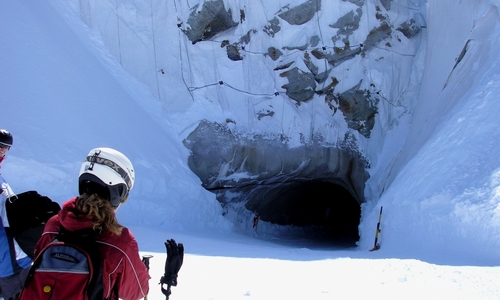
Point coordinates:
[(175, 257)]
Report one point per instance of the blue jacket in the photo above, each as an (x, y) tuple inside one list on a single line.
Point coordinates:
[(12, 258)]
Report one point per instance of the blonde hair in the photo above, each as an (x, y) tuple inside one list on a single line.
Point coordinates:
[(101, 211)]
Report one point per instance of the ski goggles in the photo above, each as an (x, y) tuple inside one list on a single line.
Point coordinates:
[(4, 146), (91, 184)]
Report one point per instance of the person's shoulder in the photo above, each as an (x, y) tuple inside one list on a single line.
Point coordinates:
[(53, 225), (123, 240), (127, 234)]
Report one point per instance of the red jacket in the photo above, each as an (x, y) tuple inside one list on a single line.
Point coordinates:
[(122, 264)]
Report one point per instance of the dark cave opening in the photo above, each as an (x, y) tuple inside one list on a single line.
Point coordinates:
[(312, 192), (325, 210)]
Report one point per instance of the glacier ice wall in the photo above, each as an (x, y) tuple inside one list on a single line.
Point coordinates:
[(312, 77), (371, 78)]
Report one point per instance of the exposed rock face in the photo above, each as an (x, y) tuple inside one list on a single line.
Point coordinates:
[(348, 23), (273, 27), (300, 86), (301, 14), (210, 20), (274, 53), (358, 106), (409, 28), (233, 53)]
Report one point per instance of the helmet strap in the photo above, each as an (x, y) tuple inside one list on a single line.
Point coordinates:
[(93, 159)]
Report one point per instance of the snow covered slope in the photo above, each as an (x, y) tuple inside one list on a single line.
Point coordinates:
[(62, 96)]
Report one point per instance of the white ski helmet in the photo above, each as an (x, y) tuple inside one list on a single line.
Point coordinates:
[(108, 173)]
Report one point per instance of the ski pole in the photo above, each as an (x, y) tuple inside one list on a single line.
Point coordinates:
[(145, 260), (376, 246)]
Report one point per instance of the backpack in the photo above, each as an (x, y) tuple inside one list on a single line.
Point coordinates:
[(27, 214), (69, 267)]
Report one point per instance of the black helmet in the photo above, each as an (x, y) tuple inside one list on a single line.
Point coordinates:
[(5, 138)]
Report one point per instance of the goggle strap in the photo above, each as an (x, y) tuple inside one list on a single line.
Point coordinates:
[(95, 159), (4, 145)]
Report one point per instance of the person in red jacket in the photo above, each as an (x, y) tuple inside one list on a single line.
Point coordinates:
[(105, 180)]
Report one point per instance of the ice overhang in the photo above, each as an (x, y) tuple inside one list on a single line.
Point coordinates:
[(311, 186)]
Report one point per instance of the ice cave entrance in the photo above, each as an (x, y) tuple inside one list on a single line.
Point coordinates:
[(322, 209), (314, 191)]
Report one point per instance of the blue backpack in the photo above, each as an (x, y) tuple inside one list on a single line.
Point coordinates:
[(69, 267)]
